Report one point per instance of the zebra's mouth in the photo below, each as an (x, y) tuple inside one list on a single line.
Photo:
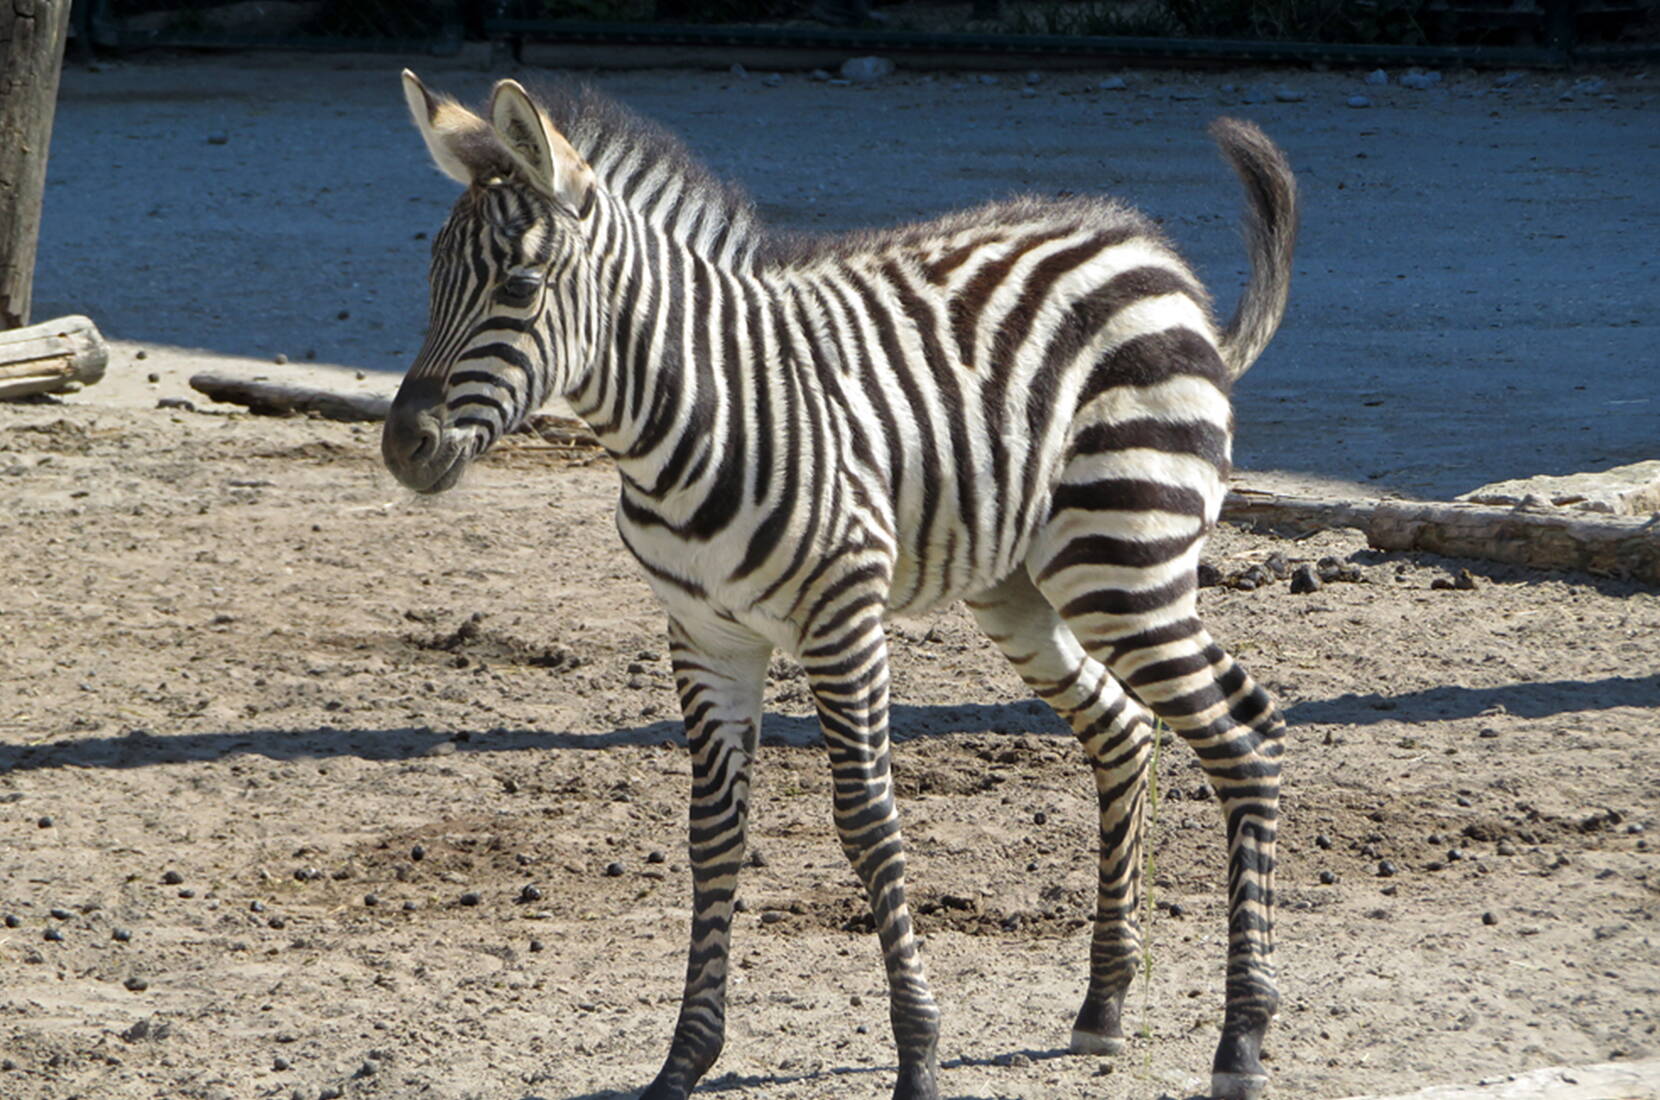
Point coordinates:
[(423, 452)]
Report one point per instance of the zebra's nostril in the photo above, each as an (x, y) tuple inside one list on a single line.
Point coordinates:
[(414, 425)]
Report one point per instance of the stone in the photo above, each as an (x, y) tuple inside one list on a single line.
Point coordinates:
[(1112, 84), (1359, 101), (866, 70), (1632, 490), (1377, 78)]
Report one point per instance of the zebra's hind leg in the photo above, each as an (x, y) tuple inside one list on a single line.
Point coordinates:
[(847, 666), (1114, 732), (720, 685), (1130, 599)]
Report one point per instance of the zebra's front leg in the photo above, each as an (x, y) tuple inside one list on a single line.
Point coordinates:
[(849, 676), (720, 695), (1115, 733)]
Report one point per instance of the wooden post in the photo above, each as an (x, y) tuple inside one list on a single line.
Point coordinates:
[(31, 54)]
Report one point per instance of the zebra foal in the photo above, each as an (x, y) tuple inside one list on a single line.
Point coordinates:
[(1023, 406)]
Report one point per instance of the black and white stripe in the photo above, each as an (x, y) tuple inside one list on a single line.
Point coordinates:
[(1024, 406)]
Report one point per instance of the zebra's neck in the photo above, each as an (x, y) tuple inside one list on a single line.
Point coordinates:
[(689, 334)]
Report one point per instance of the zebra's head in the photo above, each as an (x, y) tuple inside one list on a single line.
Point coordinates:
[(512, 288)]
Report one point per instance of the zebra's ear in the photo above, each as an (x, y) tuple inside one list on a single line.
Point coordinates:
[(451, 131), (550, 163)]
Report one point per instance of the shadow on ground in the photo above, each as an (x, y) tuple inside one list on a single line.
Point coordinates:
[(141, 748)]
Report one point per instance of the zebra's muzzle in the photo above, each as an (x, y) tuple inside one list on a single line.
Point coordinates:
[(414, 444)]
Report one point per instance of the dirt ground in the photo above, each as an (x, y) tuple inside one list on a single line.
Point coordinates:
[(249, 676), (309, 788)]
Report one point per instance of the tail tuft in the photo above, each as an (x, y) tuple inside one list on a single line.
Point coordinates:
[(1270, 236)]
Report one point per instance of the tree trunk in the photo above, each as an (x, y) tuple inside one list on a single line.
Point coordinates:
[(51, 356), (31, 53)]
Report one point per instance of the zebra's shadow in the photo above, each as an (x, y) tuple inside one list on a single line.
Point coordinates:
[(144, 748), (727, 1082)]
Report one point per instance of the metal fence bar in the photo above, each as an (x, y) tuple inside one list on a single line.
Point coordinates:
[(108, 27), (1079, 46)]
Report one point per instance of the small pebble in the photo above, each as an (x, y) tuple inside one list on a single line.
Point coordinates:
[(12, 920), (43, 822), (1328, 878), (1377, 78), (615, 870), (417, 853), (135, 984), (1304, 580), (1323, 842), (218, 139), (172, 878), (142, 354), (279, 359), (409, 907), (61, 914), (469, 899), (279, 1063), (1288, 95), (655, 857), (1359, 101), (530, 892), (1112, 84), (1040, 818), (121, 935), (371, 900), (536, 945), (1489, 918), (152, 377), (54, 935), (1386, 869), (739, 71), (256, 906), (279, 923)]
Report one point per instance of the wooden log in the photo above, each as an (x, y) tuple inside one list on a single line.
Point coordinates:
[(31, 53), (282, 399), (1611, 546), (52, 356)]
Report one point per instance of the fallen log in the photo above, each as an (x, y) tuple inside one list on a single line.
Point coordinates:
[(62, 354), (1610, 546), (283, 399)]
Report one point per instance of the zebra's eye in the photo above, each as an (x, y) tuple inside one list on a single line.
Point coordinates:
[(518, 291)]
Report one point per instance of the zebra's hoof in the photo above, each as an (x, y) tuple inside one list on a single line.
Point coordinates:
[(1238, 1086), (1090, 1042)]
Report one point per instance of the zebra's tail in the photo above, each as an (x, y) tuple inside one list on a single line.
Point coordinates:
[(1270, 236)]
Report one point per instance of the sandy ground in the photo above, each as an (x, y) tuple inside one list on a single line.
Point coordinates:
[(249, 679)]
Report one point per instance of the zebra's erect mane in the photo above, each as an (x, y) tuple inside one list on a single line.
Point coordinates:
[(634, 158)]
